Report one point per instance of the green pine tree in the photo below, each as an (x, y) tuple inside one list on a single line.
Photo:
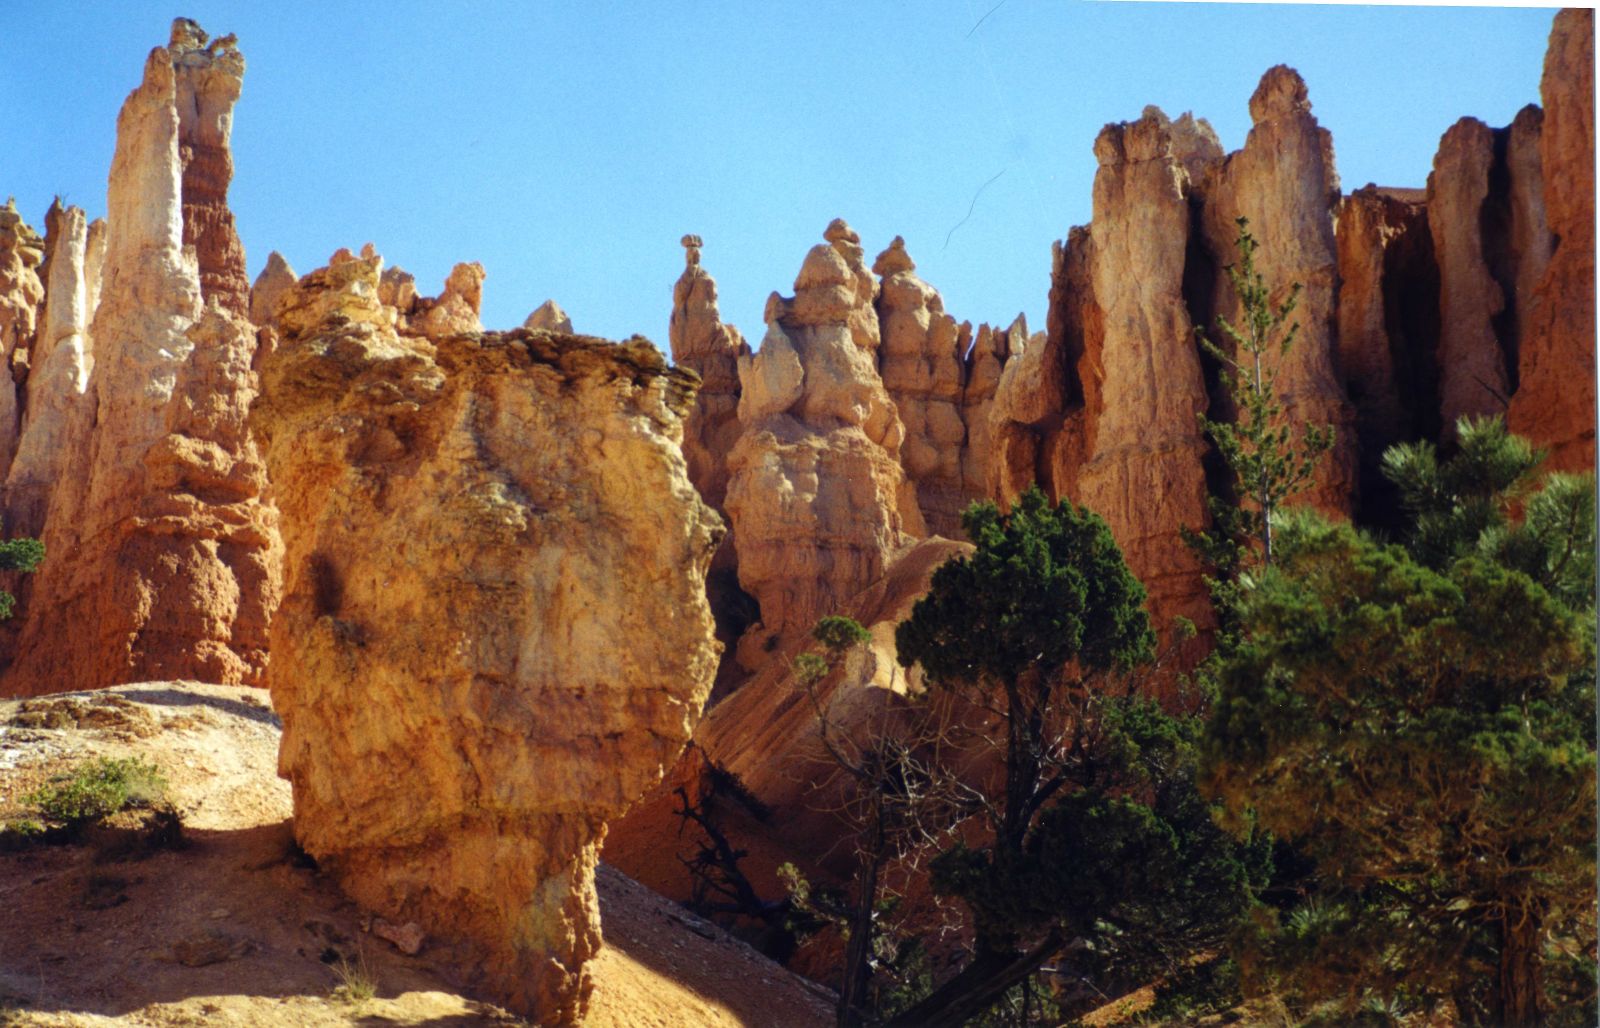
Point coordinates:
[(1417, 721), (17, 555), (1094, 831), (1266, 464)]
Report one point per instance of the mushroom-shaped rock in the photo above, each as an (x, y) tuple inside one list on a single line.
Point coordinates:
[(494, 633)]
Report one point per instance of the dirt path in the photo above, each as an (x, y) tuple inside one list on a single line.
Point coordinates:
[(238, 929)]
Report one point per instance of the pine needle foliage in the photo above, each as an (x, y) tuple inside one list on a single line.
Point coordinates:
[(1267, 464)]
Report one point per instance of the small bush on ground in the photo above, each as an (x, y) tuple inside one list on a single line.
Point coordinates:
[(98, 789)]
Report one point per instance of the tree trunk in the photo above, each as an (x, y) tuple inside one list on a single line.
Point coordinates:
[(978, 987), (853, 986), (1518, 987)]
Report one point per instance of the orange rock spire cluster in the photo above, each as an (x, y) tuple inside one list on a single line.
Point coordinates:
[(493, 549)]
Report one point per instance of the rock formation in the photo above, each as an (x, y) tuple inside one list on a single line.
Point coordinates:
[(816, 494), (1526, 252), (549, 316), (21, 294), (1555, 400), (207, 77), (60, 411), (1471, 358), (456, 309), (1285, 183), (921, 362), (701, 342), (275, 279), (162, 553), (494, 633), (1134, 451), (983, 367), (94, 264), (1388, 327)]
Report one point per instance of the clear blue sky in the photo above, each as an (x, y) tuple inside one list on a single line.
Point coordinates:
[(567, 146)]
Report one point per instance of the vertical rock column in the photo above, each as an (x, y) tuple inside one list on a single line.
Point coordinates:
[(161, 552), (701, 342), (1140, 369), (816, 493), (54, 442), (920, 360), (1473, 380), (1555, 400), (494, 633), (21, 294), (1285, 182)]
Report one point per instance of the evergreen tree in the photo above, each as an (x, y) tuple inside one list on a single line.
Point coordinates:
[(1093, 832), (1418, 721), (1266, 465), (17, 555)]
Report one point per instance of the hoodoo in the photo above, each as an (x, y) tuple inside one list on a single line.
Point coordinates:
[(494, 632), (164, 554)]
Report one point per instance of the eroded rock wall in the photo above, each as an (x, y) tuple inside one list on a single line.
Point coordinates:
[(494, 633), (921, 363), (1134, 452), (53, 444), (1473, 379)]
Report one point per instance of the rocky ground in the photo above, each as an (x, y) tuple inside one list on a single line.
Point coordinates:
[(236, 927)]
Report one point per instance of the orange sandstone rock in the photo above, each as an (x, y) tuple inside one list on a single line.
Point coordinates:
[(494, 633), (162, 553), (21, 295), (921, 359), (1555, 400), (60, 409), (1471, 357), (1285, 182), (1136, 455), (275, 279), (816, 493), (550, 316)]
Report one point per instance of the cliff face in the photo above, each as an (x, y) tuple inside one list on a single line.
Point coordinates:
[(1473, 380), (494, 597), (1555, 400), (816, 495), (160, 548)]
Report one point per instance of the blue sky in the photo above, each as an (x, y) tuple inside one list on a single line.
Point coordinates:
[(568, 146)]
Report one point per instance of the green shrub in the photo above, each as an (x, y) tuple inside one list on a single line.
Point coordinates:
[(98, 789)]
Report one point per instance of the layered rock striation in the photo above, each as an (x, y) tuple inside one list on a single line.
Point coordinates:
[(921, 359), (162, 552), (494, 633)]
